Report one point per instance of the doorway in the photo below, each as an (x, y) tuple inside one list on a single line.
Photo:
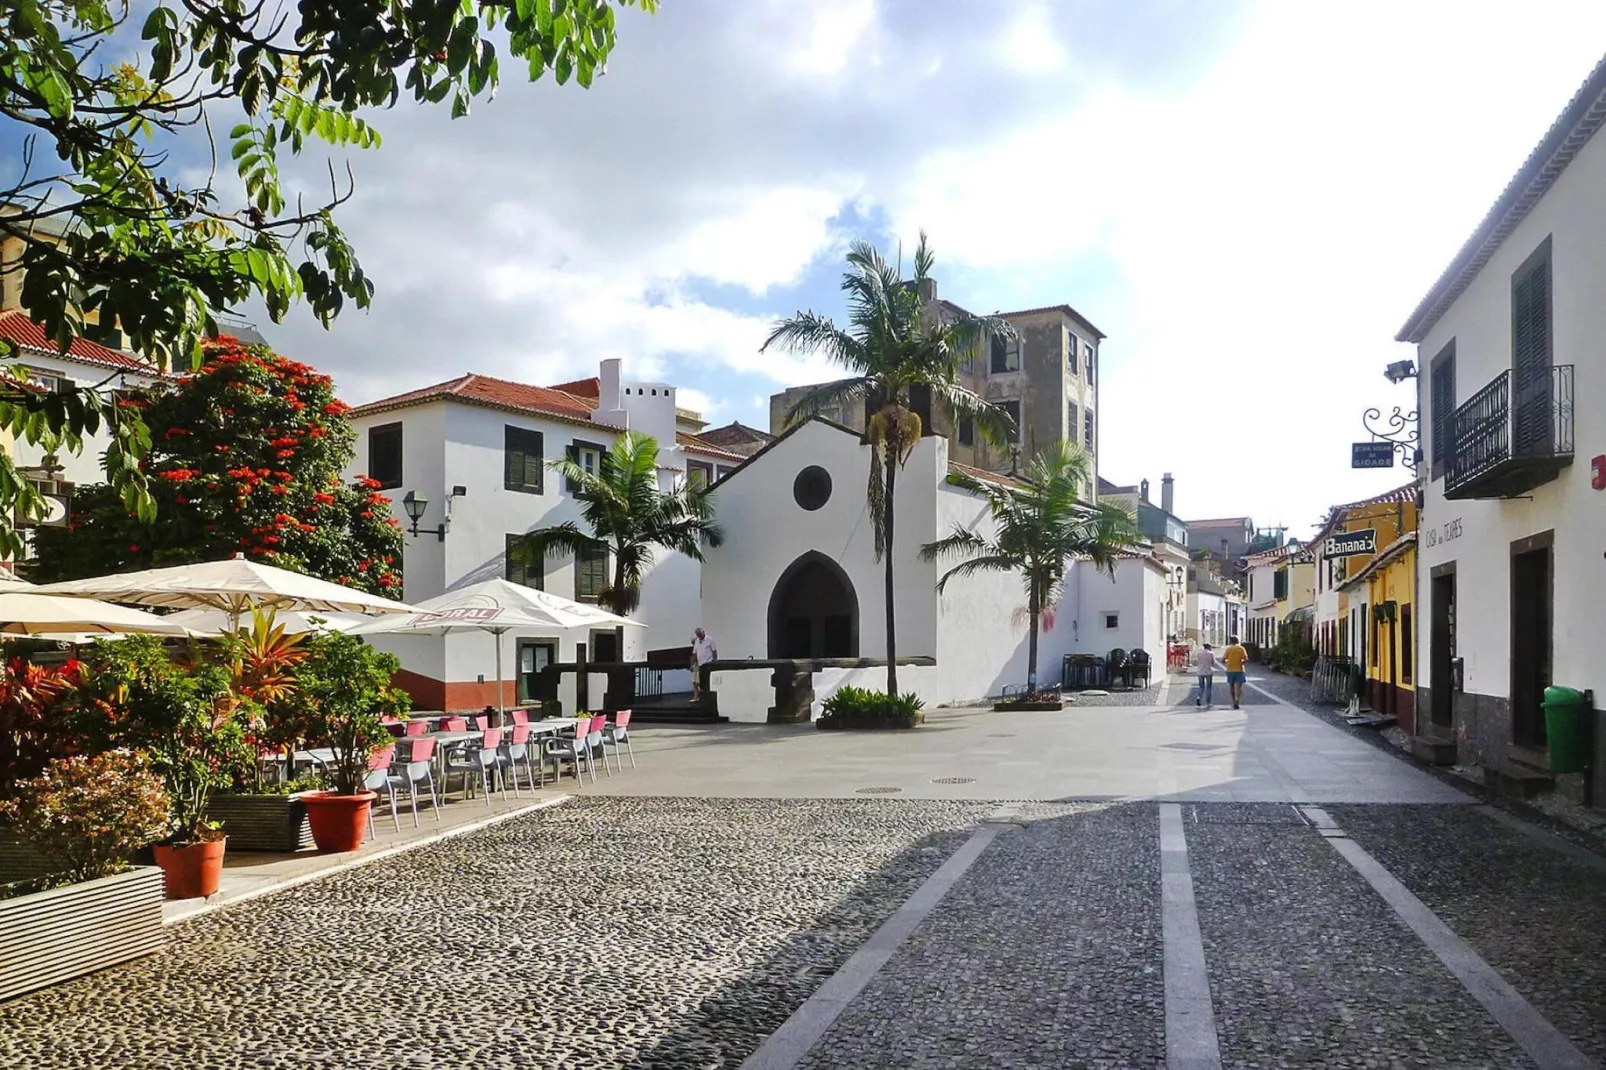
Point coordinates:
[(814, 612), (1531, 622), (532, 658), (1441, 639)]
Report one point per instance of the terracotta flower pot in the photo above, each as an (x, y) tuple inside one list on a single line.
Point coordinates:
[(339, 822), (191, 870)]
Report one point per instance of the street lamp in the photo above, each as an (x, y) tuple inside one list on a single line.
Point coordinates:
[(1400, 371), (415, 505)]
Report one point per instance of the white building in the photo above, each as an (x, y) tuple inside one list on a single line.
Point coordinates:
[(476, 449), (796, 578), (1513, 389), (86, 363)]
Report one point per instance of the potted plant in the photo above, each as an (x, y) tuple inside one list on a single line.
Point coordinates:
[(189, 724), (344, 687), (89, 814), (857, 708)]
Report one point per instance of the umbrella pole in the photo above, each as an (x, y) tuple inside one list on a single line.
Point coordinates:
[(501, 713)]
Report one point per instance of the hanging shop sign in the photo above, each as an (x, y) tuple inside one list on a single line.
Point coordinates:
[(1350, 543)]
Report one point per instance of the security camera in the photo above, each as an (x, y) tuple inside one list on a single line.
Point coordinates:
[(1400, 371)]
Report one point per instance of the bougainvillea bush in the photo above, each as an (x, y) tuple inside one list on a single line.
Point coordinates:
[(36, 719), (90, 812), (246, 457)]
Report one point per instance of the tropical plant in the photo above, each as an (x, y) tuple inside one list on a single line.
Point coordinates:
[(857, 707), (91, 811), (36, 704), (345, 688), (629, 516), (186, 720), (1040, 527), (248, 457), (119, 226), (892, 345)]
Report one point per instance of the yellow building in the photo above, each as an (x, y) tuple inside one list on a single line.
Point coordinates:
[(1281, 582), (1386, 587)]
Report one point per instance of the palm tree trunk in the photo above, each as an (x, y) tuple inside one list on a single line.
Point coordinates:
[(1034, 609), (892, 624)]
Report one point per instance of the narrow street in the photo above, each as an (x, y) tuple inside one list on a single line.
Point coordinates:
[(1053, 927)]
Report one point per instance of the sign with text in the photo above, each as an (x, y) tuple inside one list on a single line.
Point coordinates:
[(1350, 543), (1371, 455)]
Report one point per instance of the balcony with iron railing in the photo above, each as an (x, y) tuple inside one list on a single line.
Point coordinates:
[(1513, 435)]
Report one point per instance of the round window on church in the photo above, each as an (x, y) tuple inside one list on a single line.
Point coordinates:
[(812, 487)]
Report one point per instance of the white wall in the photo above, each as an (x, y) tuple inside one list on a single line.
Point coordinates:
[(85, 466), (423, 471), (1477, 535), (1136, 595)]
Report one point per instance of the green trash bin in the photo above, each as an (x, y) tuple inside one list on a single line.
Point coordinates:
[(1567, 729)]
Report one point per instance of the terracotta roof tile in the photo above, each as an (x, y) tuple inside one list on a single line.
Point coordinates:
[(984, 475), (695, 442), (495, 393), (582, 388), (18, 328)]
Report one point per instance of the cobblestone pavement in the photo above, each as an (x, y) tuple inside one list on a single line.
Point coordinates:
[(600, 933), (1047, 954)]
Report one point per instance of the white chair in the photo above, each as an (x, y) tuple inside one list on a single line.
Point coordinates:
[(619, 733)]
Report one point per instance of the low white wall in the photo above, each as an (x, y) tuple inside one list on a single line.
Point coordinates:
[(927, 681), (745, 695)]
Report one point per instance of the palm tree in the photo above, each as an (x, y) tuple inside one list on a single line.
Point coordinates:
[(629, 517), (1041, 527), (891, 345)]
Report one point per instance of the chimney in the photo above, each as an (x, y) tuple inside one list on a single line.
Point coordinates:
[(928, 291), (610, 403), (1143, 490), (1167, 493)]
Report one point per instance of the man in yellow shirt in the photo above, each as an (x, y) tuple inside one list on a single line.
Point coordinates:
[(1235, 657)]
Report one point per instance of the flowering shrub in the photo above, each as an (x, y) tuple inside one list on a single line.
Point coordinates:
[(185, 719), (246, 456), (91, 812), (35, 719)]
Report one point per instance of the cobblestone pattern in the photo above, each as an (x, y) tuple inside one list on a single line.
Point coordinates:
[(1310, 968), (1046, 954), (1143, 696), (600, 933), (1536, 915)]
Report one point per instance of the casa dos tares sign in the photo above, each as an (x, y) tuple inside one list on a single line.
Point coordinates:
[(1351, 543)]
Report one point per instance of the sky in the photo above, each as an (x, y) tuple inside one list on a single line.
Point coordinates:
[(1248, 198)]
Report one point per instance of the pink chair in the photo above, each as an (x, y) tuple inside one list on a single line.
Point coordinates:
[(482, 759), (379, 779), (520, 716), (416, 728), (482, 722), (453, 724), (594, 746), (574, 749), (616, 733), (516, 752), (420, 769)]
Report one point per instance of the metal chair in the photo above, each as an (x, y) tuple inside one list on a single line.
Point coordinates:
[(566, 749), (1138, 664), (516, 752), (420, 769), (380, 778)]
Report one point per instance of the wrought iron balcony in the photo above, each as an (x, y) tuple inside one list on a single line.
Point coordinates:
[(1512, 435)]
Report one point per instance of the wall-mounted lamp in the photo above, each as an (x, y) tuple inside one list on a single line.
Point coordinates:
[(1400, 371), (416, 505)]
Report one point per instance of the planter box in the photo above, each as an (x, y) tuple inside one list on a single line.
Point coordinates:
[(1030, 707), (49, 937), (22, 861), (262, 822)]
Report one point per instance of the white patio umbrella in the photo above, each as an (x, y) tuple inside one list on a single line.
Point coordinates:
[(235, 586), (217, 622), (27, 612), (498, 607)]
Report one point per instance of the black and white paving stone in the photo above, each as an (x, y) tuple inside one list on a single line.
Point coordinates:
[(662, 933)]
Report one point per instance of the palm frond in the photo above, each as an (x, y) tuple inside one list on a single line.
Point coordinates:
[(810, 332), (533, 547), (827, 396)]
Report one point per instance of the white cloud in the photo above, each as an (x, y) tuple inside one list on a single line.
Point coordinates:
[(1029, 43)]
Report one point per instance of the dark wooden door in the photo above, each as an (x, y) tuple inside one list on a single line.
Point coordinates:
[(1530, 644), (1441, 672)]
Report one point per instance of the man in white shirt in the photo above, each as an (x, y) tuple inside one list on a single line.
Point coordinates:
[(1205, 665), (703, 651)]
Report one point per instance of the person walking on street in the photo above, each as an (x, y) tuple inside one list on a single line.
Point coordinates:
[(703, 651), (1205, 666), (1235, 657)]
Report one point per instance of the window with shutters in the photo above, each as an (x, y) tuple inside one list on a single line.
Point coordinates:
[(1087, 358), (588, 455), (1531, 429), (967, 431), (385, 455), (1441, 406), (1087, 427), (1279, 584), (1012, 410), (1407, 641), (1005, 354), (527, 570), (699, 474), (1070, 421), (590, 574), (1071, 343), (523, 459)]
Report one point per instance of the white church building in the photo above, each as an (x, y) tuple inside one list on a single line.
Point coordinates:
[(796, 580)]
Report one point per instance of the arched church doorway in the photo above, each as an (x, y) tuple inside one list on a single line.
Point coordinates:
[(813, 611)]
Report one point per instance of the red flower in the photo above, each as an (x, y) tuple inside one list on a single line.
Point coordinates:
[(336, 408), (133, 548), (285, 455), (367, 514), (221, 448), (324, 499), (393, 522)]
